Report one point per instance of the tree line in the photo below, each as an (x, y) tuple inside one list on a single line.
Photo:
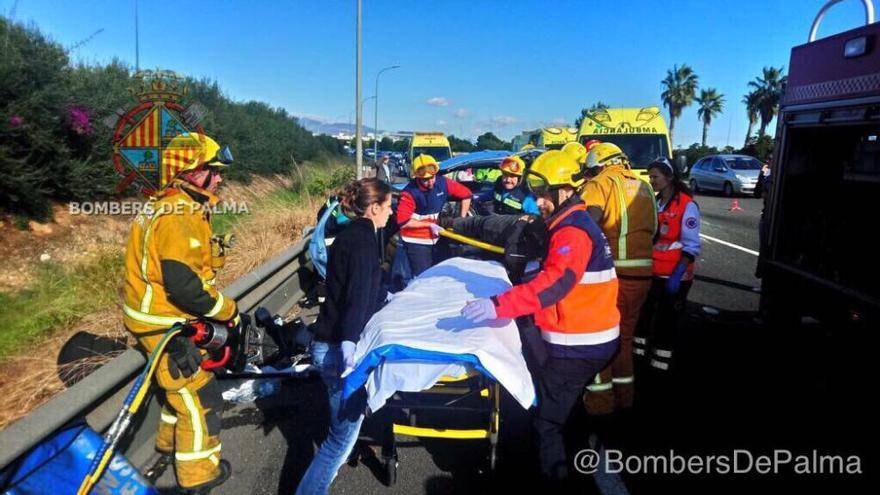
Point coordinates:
[(485, 141), (56, 118)]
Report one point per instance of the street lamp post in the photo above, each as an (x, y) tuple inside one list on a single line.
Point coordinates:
[(359, 146), (376, 113), (362, 108)]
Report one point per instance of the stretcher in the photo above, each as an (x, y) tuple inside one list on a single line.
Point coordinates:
[(419, 356), (471, 394)]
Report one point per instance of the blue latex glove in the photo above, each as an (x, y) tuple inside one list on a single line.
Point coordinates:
[(479, 310), (673, 283), (347, 347)]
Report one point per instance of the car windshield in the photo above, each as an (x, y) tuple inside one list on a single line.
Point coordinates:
[(554, 146), (742, 163), (439, 154), (642, 149)]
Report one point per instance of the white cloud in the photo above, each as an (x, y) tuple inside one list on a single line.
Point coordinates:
[(503, 120), (559, 122), (460, 113), (438, 101), (441, 123)]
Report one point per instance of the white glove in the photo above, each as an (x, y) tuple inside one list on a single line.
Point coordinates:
[(348, 348), (436, 229), (479, 310)]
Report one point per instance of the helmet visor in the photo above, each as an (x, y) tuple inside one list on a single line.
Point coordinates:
[(537, 184), (511, 166), (427, 171), (222, 158)]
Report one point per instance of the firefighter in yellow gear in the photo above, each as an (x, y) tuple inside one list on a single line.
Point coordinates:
[(169, 279), (624, 207)]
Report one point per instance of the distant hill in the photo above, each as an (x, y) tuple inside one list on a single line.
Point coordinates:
[(318, 127)]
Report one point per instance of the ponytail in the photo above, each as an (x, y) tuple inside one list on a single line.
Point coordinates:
[(358, 195)]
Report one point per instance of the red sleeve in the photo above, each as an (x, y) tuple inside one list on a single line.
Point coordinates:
[(457, 190), (566, 263), (406, 206)]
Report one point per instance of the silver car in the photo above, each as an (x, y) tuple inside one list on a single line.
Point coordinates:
[(730, 174)]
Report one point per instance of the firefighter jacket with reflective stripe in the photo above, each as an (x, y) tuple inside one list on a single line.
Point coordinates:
[(417, 203), (513, 202), (574, 297), (168, 272), (679, 234), (629, 217)]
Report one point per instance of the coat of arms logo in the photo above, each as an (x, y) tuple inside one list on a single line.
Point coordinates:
[(155, 139)]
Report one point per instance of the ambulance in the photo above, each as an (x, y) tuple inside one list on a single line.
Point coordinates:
[(640, 132), (430, 143), (550, 138)]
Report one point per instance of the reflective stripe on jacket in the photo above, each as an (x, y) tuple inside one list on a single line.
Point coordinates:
[(425, 205), (629, 217), (175, 233), (513, 202), (574, 297), (669, 247)]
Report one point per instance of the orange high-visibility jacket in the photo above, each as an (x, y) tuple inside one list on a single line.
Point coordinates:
[(679, 220), (574, 297)]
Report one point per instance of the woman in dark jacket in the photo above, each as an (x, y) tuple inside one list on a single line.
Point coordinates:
[(354, 293)]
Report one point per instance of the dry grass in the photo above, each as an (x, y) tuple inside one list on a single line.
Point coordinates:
[(31, 378), (68, 239)]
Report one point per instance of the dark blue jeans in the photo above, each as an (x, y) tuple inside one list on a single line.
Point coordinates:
[(560, 385), (345, 422), (421, 256)]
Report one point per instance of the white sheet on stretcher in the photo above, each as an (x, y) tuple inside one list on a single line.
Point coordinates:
[(420, 336)]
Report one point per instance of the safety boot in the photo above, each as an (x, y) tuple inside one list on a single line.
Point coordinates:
[(206, 487)]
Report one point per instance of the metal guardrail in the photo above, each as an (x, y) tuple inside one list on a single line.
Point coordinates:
[(276, 285)]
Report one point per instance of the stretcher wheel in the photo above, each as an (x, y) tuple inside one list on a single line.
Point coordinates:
[(391, 471)]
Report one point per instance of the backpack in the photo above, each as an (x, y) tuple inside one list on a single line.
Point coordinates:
[(318, 244)]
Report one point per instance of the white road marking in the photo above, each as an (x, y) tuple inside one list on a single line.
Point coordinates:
[(729, 244)]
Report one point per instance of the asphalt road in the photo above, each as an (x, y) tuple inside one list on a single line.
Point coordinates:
[(726, 275), (739, 385)]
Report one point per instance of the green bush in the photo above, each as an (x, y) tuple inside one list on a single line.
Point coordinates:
[(55, 145), (316, 179)]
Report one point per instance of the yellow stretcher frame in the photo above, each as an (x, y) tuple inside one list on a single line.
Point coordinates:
[(471, 241), (473, 383)]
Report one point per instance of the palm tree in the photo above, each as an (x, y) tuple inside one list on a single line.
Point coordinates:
[(680, 86), (769, 88), (711, 103), (751, 102)]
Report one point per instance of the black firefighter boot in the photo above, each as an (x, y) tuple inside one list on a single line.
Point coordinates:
[(206, 487)]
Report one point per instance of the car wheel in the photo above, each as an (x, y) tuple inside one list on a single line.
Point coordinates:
[(728, 189), (694, 187)]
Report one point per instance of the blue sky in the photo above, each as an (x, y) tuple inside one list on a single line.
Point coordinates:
[(466, 66)]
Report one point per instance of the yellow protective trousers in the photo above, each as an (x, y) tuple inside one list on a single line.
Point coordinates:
[(190, 424), (612, 389)]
